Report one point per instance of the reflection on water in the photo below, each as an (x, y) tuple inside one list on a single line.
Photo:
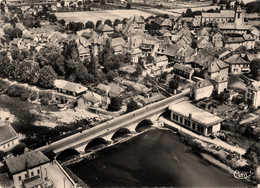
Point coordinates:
[(155, 158)]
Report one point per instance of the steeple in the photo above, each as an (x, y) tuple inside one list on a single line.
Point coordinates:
[(239, 16)]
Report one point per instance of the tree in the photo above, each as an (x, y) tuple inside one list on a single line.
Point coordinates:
[(223, 97), (28, 72), (46, 77), (2, 154), (115, 104), (72, 26), (37, 24), (18, 149), (131, 106), (253, 154), (111, 75), (116, 22), (188, 12), (128, 6), (173, 84), (79, 26), (98, 23), (62, 22), (228, 5), (2, 6), (108, 22), (52, 18), (215, 1), (89, 25)]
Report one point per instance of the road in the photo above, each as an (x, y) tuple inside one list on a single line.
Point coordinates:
[(112, 125)]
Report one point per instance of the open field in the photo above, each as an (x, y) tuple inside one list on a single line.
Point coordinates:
[(120, 14), (100, 15)]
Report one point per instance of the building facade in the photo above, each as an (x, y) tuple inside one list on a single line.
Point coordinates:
[(194, 118)]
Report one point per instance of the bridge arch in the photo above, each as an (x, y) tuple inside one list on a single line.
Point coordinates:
[(95, 143), (67, 154), (120, 133), (144, 124)]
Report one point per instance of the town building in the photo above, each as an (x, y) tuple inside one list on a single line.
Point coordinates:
[(8, 137), (223, 16), (89, 100), (201, 89), (216, 68), (237, 64), (252, 96), (194, 118), (33, 169), (183, 70), (67, 92)]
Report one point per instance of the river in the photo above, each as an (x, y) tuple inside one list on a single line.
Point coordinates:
[(155, 158)]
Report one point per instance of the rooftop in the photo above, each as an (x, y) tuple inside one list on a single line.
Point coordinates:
[(6, 132), (201, 116), (236, 59), (183, 67), (217, 65), (69, 86), (26, 161)]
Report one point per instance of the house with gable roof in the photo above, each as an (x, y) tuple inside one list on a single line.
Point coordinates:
[(215, 68), (88, 100), (67, 92), (217, 39), (252, 96), (163, 23), (201, 89), (104, 29), (203, 43), (183, 70), (237, 64), (8, 136)]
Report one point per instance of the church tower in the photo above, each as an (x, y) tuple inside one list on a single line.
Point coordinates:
[(239, 16)]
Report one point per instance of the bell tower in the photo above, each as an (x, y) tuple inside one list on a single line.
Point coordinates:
[(239, 16)]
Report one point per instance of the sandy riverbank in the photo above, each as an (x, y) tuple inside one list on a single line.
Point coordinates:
[(6, 115), (52, 119)]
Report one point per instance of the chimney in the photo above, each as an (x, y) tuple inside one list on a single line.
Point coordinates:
[(190, 115)]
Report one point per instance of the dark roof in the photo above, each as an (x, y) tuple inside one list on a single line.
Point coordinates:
[(26, 161), (217, 65), (201, 84), (92, 97), (6, 132), (236, 59), (183, 67)]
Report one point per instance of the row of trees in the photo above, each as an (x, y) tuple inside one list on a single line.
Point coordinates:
[(26, 71)]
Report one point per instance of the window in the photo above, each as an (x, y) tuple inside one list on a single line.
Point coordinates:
[(202, 129), (194, 125), (185, 122), (38, 171), (181, 120), (32, 173), (26, 175), (188, 123), (209, 130), (8, 144), (173, 116), (19, 178), (177, 117), (4, 146), (12, 142)]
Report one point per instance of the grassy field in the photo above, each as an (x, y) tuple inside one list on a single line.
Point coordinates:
[(109, 14), (100, 15)]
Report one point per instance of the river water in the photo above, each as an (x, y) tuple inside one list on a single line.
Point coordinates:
[(155, 158)]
